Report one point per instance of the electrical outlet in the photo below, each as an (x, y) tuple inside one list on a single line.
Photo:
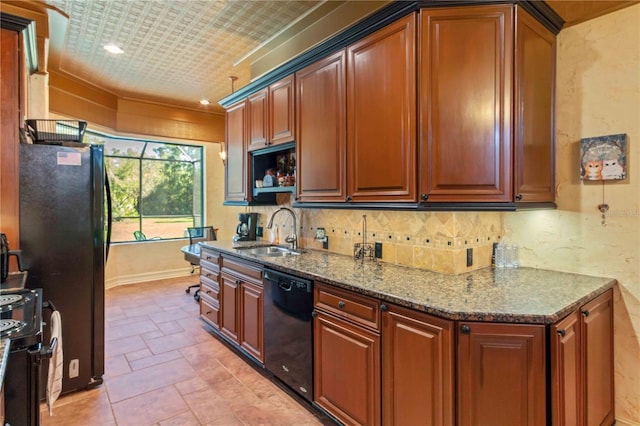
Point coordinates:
[(470, 256), (320, 233), (259, 231), (378, 250), (74, 368), (325, 242)]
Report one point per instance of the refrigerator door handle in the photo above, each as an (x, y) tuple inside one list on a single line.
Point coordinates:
[(109, 213)]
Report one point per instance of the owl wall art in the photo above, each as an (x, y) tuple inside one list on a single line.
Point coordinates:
[(603, 157)]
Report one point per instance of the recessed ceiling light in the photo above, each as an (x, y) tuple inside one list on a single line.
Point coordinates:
[(112, 48), (204, 101)]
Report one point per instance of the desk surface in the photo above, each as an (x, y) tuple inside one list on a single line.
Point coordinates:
[(191, 253)]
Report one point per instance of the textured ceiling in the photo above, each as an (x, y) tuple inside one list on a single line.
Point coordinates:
[(176, 51), (179, 51)]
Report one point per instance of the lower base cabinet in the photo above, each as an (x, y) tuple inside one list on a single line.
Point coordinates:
[(501, 374), (417, 368)]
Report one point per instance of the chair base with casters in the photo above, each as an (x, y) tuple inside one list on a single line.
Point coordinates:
[(196, 235)]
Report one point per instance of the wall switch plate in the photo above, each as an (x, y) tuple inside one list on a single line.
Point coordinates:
[(74, 368), (469, 256), (378, 250)]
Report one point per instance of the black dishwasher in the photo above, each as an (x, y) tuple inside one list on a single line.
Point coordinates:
[(288, 330)]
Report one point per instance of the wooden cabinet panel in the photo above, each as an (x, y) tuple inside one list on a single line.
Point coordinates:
[(417, 368), (534, 156), (597, 319), (381, 114), (210, 311), (229, 299), (501, 374), (566, 371), (465, 85), (252, 319), (321, 129), (281, 111), (360, 309), (346, 370), (258, 119), (236, 189)]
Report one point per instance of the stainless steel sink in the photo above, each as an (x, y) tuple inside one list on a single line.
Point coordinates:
[(271, 251)]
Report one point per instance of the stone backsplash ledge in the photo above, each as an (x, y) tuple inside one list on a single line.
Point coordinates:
[(437, 241)]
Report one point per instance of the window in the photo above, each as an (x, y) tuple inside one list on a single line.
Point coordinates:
[(156, 187)]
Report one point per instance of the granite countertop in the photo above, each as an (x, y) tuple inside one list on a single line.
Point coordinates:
[(520, 295)]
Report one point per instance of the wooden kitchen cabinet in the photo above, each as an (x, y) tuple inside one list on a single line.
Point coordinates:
[(258, 120), (501, 376), (582, 365), (236, 173), (381, 114), (534, 138), (210, 287), (417, 368), (241, 310), (346, 355), (466, 83), (282, 111), (321, 129)]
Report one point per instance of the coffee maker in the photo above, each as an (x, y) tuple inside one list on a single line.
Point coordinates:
[(246, 230)]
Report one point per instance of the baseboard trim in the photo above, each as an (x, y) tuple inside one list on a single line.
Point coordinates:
[(148, 276)]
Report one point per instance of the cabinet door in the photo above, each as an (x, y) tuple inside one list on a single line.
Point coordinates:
[(534, 156), (252, 318), (346, 370), (501, 374), (566, 371), (236, 163), (597, 319), (465, 104), (417, 368), (381, 114), (281, 111), (321, 129), (258, 116), (229, 296)]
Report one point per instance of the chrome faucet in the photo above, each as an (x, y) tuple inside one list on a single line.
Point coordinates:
[(292, 239)]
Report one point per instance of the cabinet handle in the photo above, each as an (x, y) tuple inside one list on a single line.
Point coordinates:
[(208, 291), (266, 143), (314, 314), (208, 312), (424, 197), (208, 275), (519, 197), (238, 282), (384, 308), (585, 312), (562, 332), (465, 329), (208, 257), (341, 304), (348, 198)]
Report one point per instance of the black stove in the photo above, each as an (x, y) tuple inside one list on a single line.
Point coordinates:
[(21, 323)]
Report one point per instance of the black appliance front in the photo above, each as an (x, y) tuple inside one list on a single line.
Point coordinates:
[(288, 330), (62, 243)]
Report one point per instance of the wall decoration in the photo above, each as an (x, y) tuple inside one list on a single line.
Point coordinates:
[(603, 157)]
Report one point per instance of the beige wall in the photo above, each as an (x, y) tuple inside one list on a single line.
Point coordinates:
[(597, 93)]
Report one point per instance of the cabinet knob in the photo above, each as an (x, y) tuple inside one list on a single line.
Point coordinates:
[(465, 329), (424, 197), (208, 275), (238, 282), (562, 332), (384, 308), (314, 314), (208, 291), (208, 257), (519, 197), (348, 198), (341, 304), (585, 312), (266, 143)]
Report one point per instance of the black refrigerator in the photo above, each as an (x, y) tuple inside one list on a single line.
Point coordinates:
[(63, 242)]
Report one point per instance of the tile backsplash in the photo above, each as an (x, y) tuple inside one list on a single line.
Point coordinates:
[(437, 241)]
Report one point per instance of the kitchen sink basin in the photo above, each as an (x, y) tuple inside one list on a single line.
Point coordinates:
[(271, 251)]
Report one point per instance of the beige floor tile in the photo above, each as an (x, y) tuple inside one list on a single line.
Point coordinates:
[(150, 408)]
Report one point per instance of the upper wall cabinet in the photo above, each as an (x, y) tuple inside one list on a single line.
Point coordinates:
[(321, 129), (271, 115), (381, 114), (465, 104), (471, 149), (236, 163)]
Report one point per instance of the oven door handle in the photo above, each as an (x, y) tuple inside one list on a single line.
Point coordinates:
[(49, 305), (45, 352)]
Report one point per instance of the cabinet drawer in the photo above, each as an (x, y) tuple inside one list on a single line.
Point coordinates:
[(210, 256), (345, 304), (210, 311), (209, 288), (209, 273), (243, 270)]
